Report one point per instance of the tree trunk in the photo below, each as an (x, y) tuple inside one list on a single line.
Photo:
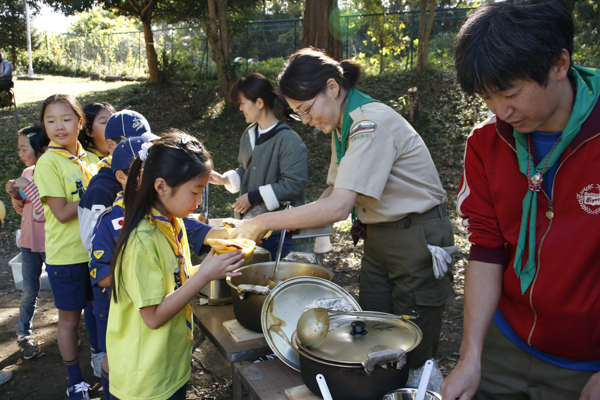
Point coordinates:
[(424, 32), (14, 55), (570, 5), (156, 76), (322, 27), (218, 37)]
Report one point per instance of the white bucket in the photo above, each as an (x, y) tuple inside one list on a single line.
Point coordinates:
[(16, 264)]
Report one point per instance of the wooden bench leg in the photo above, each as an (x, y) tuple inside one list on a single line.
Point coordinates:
[(238, 391)]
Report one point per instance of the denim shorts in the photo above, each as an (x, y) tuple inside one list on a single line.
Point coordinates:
[(70, 285)]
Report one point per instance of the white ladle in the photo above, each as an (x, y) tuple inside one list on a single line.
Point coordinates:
[(422, 389), (325, 393)]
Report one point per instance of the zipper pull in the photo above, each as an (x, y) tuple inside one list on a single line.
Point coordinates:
[(550, 212)]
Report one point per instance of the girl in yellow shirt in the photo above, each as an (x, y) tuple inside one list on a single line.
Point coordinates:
[(149, 337)]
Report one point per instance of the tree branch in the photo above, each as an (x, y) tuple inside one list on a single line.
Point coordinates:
[(149, 8), (137, 8)]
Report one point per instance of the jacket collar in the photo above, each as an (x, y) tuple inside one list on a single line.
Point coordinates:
[(589, 128)]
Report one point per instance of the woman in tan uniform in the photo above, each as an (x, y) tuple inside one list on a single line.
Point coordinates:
[(381, 169)]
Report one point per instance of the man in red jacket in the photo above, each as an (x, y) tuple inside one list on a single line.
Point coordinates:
[(530, 201)]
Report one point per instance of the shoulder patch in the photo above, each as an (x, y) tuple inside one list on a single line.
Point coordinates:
[(362, 130), (117, 223), (98, 254)]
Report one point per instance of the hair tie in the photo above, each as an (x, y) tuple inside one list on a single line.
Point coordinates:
[(185, 139), (143, 153)]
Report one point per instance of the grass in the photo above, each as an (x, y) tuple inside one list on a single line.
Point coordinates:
[(447, 116)]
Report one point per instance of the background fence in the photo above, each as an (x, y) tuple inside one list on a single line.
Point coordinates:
[(380, 42)]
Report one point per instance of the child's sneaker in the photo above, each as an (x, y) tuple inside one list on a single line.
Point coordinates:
[(28, 348), (97, 360), (79, 391)]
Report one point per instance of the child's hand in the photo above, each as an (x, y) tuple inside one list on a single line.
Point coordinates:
[(12, 190), (220, 266), (21, 183)]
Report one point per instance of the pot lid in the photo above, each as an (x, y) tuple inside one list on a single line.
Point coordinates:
[(285, 304), (351, 338)]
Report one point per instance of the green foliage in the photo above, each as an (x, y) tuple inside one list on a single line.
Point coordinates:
[(100, 21), (587, 37), (13, 29)]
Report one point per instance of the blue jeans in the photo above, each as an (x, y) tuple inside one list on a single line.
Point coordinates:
[(32, 269)]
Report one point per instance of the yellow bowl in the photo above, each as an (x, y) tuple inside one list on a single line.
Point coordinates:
[(248, 248)]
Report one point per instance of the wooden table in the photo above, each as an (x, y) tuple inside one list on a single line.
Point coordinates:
[(210, 320), (268, 380)]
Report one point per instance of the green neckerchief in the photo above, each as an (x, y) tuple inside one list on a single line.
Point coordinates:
[(587, 82), (355, 100)]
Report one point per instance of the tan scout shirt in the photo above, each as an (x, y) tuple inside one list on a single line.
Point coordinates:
[(388, 165)]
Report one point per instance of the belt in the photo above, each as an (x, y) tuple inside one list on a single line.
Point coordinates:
[(436, 212)]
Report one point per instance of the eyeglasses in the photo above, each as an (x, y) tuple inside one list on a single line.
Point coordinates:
[(300, 115)]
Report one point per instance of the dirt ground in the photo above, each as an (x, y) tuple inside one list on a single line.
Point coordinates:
[(45, 377)]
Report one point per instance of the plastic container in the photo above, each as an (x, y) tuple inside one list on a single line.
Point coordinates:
[(16, 264)]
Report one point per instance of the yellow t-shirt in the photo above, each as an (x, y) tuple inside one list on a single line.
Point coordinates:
[(57, 176), (146, 363)]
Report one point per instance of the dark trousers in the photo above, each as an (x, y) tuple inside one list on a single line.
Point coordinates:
[(5, 85), (397, 274), (509, 373)]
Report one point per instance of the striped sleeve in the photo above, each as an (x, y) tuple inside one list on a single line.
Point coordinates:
[(33, 195)]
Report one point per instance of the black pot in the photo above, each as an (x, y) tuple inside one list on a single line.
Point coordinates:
[(248, 309), (349, 382)]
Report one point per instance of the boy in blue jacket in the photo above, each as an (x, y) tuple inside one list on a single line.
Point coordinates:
[(100, 194)]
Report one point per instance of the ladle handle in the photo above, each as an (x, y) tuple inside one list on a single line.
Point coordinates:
[(324, 388), (422, 389), (280, 248)]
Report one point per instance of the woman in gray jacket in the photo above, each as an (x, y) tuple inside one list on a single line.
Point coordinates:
[(273, 159)]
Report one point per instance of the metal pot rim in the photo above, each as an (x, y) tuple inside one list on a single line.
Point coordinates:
[(313, 288), (281, 264), (395, 330), (300, 350)]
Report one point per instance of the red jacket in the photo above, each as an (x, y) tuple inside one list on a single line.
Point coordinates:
[(560, 311)]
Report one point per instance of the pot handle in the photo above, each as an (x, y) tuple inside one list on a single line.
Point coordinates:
[(376, 358), (244, 288)]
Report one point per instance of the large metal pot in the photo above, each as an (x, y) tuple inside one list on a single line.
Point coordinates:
[(247, 307), (339, 358)]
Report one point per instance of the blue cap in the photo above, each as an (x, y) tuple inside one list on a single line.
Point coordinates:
[(126, 124), (125, 153)]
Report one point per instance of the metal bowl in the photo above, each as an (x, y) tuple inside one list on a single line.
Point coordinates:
[(409, 394), (248, 309)]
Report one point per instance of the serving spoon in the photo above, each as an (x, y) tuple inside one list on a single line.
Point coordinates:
[(313, 324)]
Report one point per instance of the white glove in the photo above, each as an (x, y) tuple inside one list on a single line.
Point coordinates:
[(440, 258)]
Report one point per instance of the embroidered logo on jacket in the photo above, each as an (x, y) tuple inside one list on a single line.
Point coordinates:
[(362, 130), (589, 199), (93, 273), (98, 254)]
